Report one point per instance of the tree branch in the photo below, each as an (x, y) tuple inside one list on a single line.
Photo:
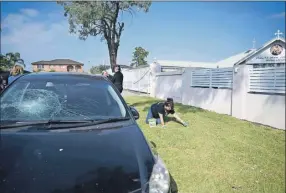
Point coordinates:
[(120, 29), (106, 30), (101, 18)]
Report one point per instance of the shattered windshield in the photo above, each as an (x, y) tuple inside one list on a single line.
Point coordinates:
[(60, 98)]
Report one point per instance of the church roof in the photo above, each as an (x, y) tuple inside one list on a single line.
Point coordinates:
[(230, 61), (184, 64), (261, 48)]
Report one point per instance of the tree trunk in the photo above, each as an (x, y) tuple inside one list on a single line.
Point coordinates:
[(112, 59), (112, 36), (112, 49)]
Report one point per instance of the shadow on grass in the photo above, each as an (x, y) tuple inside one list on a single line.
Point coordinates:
[(169, 119), (146, 108), (173, 184), (188, 109), (144, 102)]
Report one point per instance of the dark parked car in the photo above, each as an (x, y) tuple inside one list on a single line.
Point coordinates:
[(74, 133)]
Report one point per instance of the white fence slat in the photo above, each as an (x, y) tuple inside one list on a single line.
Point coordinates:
[(201, 74), (270, 73), (202, 81), (280, 84), (222, 83), (269, 80), (221, 80), (268, 91), (267, 87), (201, 85), (212, 77), (268, 68), (278, 69), (221, 75), (222, 72), (266, 77)]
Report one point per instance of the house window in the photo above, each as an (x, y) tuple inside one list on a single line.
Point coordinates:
[(40, 66), (77, 68)]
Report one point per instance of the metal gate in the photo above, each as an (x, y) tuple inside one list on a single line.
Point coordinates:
[(137, 79)]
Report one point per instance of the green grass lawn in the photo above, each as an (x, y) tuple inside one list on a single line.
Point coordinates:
[(217, 153)]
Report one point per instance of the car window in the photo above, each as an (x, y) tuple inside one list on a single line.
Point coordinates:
[(73, 98)]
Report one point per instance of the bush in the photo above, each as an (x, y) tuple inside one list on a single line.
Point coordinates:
[(38, 70)]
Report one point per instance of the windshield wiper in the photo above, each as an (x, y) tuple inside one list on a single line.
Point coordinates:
[(110, 120), (51, 124), (31, 123)]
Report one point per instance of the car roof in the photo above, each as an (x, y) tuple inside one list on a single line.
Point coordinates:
[(41, 75)]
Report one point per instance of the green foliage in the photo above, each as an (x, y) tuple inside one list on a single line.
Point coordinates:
[(4, 63), (101, 18), (8, 60), (52, 70), (139, 56), (38, 70), (98, 69)]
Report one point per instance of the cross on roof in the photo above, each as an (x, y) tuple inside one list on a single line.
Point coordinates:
[(278, 33)]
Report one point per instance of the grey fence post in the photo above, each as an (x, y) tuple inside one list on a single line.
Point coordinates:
[(275, 69), (191, 77), (139, 84), (210, 77)]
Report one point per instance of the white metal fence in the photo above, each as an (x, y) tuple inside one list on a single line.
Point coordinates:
[(267, 80), (261, 79), (137, 79), (212, 78), (249, 100)]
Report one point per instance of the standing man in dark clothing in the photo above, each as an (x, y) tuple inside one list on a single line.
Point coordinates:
[(3, 79), (117, 79), (2, 83)]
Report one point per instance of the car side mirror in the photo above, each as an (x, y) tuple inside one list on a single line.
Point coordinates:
[(134, 112)]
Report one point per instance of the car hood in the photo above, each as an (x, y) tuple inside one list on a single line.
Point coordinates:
[(115, 160)]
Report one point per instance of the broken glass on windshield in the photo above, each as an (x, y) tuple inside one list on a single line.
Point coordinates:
[(60, 100)]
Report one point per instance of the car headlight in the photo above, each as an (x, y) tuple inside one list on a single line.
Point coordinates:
[(160, 178)]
